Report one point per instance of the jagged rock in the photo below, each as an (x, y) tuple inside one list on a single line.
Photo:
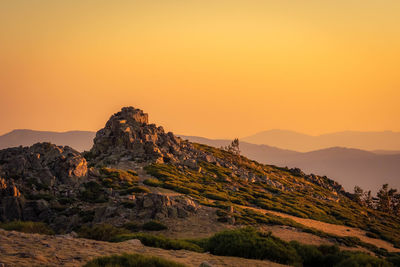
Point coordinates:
[(191, 163), (44, 162), (127, 136), (209, 158), (11, 202), (297, 172), (134, 242), (157, 206), (327, 183), (37, 170)]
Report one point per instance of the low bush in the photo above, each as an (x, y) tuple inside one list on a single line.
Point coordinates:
[(27, 227), (154, 226), (102, 232), (131, 260), (360, 259), (132, 226), (93, 193), (117, 179), (160, 242), (248, 243), (153, 182)]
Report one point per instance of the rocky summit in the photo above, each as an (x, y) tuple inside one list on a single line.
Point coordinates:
[(128, 136)]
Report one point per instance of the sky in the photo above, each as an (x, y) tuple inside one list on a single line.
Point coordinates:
[(219, 69)]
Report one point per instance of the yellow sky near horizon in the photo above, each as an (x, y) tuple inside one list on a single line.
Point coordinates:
[(209, 68)]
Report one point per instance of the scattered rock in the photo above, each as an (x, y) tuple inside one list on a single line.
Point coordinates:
[(206, 264)]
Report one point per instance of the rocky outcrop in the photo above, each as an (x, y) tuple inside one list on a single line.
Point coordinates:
[(128, 136), (46, 163), (155, 206), (31, 173), (326, 183)]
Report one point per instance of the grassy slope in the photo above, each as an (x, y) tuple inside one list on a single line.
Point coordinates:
[(215, 186)]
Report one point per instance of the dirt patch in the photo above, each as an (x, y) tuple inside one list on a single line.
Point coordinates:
[(20, 249), (288, 234), (339, 230)]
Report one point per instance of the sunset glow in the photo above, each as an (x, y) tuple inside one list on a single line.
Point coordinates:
[(209, 68)]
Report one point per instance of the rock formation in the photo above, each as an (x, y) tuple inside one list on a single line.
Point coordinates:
[(34, 171), (128, 136), (46, 163)]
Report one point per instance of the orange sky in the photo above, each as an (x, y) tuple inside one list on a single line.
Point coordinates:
[(210, 68)]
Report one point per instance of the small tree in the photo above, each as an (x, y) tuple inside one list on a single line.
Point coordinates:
[(358, 195), (385, 198), (396, 204), (234, 147), (368, 200)]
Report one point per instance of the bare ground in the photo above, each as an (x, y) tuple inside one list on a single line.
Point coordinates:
[(20, 249), (339, 230)]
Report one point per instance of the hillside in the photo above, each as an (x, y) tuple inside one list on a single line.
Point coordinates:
[(350, 167), (386, 140), (137, 179)]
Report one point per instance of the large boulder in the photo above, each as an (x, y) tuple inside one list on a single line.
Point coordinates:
[(157, 206)]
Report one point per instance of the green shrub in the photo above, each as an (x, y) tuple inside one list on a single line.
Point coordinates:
[(394, 259), (132, 226), (248, 243), (93, 193), (131, 260), (360, 260), (154, 226), (159, 242), (310, 255), (216, 196), (132, 172), (116, 178), (102, 232), (153, 182), (27, 227)]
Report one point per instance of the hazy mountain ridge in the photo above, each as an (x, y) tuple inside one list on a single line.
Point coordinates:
[(386, 140), (79, 140)]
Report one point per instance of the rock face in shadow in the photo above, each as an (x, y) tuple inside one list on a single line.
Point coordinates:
[(128, 136), (11, 202), (46, 163), (35, 171)]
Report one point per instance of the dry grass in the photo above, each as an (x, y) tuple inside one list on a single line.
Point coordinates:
[(20, 249)]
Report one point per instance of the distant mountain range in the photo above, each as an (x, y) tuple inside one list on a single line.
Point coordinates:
[(79, 140), (348, 166), (386, 140)]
